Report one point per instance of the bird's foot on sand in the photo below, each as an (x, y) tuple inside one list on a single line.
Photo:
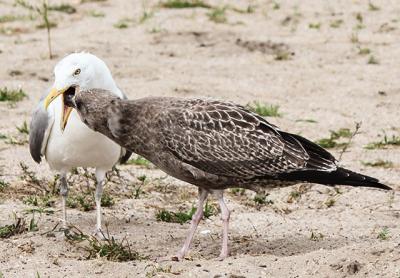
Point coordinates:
[(99, 233)]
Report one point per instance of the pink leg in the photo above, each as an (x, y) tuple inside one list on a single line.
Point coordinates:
[(194, 223), (225, 215)]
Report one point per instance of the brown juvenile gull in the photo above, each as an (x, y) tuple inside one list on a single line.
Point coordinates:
[(211, 144)]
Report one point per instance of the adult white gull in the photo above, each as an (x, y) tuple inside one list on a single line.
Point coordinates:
[(66, 146)]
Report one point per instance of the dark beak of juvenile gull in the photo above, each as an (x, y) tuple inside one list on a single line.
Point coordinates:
[(69, 97)]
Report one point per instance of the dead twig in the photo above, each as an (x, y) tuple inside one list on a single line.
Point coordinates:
[(345, 147)]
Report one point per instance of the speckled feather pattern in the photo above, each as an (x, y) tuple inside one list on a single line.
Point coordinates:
[(225, 139), (208, 143)]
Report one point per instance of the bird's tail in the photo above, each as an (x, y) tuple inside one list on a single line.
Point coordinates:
[(340, 176)]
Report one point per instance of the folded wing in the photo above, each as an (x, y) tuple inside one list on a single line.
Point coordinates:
[(226, 139)]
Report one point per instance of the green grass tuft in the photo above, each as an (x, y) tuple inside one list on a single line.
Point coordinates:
[(327, 143), (3, 185), (39, 201), (316, 236), (33, 225), (183, 217), (379, 163), (112, 250), (90, 1), (109, 248), (276, 6), (307, 121), (218, 15), (12, 95), (261, 199), (28, 175), (11, 17), (182, 4), (209, 210), (354, 38), (394, 141), (283, 55), (294, 195), (43, 25), (137, 191), (314, 26), (18, 227), (107, 200), (330, 202), (264, 110), (249, 10), (364, 51), (384, 234), (140, 161), (86, 201), (121, 24), (145, 16), (342, 132), (372, 60), (142, 178), (359, 18), (336, 23), (64, 8), (238, 191), (40, 210), (332, 140), (373, 7), (174, 217), (24, 129), (11, 140), (95, 13)]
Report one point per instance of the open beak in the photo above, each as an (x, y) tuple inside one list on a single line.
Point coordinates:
[(66, 111)]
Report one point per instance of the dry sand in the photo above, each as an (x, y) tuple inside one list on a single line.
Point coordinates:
[(184, 53)]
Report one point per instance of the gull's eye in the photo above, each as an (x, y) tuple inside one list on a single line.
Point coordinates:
[(77, 71)]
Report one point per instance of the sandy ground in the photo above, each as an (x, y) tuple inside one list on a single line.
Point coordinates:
[(184, 53)]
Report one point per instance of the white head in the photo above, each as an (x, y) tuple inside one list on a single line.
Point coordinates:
[(83, 70)]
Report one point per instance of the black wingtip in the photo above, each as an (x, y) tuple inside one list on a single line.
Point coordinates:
[(355, 179), (340, 176), (382, 186)]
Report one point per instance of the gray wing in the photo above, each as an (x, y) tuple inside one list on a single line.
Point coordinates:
[(39, 131), (226, 139), (125, 154)]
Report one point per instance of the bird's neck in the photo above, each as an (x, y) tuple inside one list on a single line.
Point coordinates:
[(127, 125)]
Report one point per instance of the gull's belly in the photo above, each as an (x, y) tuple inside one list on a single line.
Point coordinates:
[(79, 146)]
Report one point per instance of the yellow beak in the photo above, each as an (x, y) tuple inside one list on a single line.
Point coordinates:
[(66, 111)]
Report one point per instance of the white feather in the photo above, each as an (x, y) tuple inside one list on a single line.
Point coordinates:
[(77, 145)]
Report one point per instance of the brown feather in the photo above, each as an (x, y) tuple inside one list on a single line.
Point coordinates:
[(208, 143)]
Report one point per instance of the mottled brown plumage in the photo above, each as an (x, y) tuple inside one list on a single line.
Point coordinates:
[(211, 144)]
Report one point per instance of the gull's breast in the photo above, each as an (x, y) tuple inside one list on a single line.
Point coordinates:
[(78, 146)]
